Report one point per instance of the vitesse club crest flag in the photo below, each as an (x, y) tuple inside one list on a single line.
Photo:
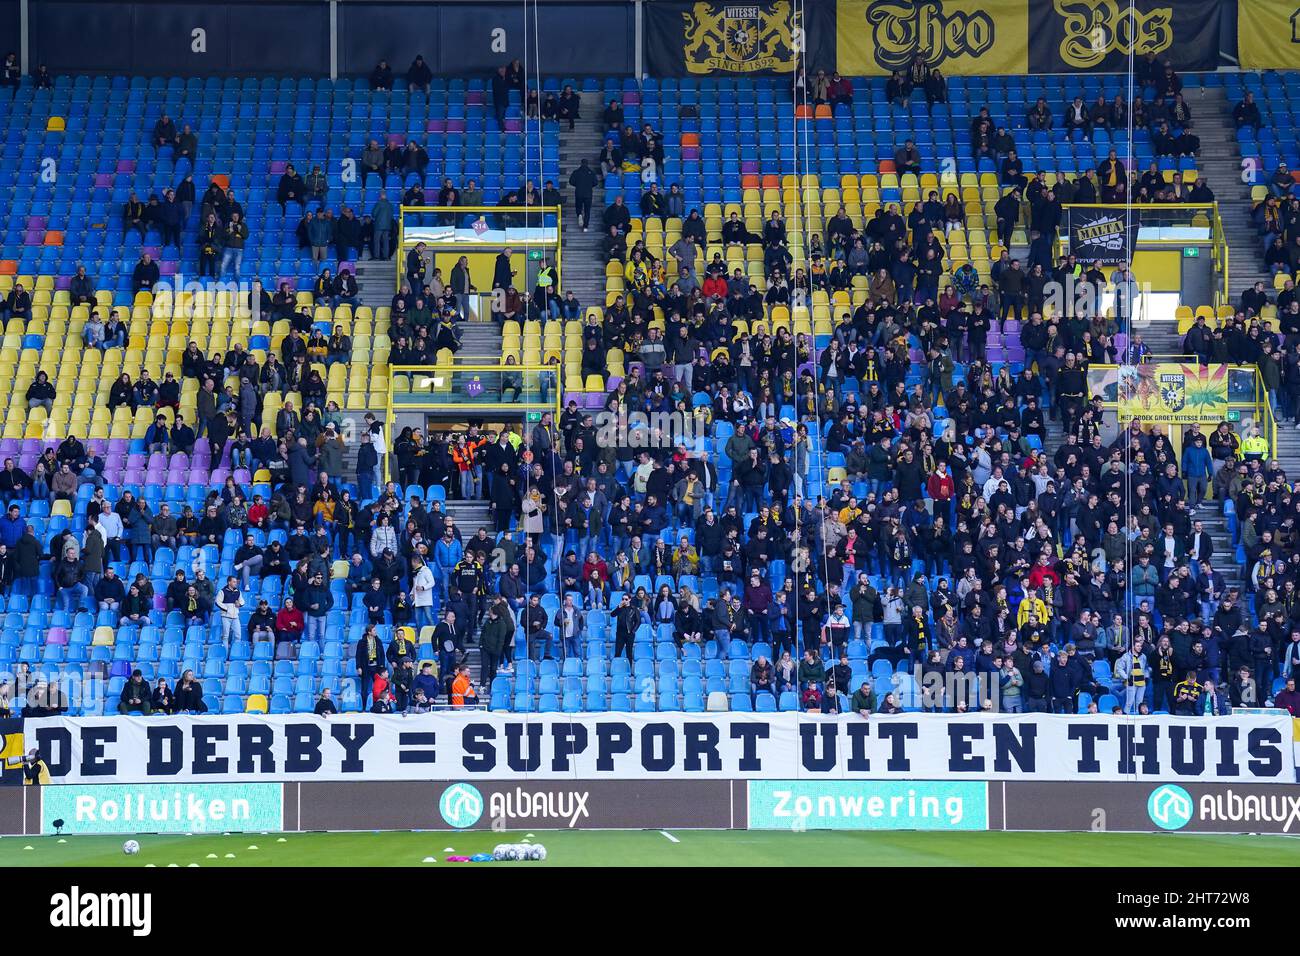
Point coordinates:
[(1102, 233), (721, 39)]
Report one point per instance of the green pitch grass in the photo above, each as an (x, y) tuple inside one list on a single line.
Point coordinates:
[(654, 848)]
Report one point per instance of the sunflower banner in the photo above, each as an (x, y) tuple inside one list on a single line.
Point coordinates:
[(1173, 393)]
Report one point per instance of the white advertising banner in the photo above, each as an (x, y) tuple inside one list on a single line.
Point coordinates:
[(488, 746)]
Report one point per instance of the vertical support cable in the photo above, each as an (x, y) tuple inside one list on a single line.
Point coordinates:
[(334, 39), (24, 30), (1126, 324), (638, 43)]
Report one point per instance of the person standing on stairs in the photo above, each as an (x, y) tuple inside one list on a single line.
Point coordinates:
[(583, 182), (500, 96)]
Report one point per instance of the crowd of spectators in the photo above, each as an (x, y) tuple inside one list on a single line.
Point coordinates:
[(947, 540)]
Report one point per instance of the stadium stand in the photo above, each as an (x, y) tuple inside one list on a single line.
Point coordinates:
[(876, 466)]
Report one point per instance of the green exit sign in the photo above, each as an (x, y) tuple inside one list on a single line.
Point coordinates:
[(1191, 252), (534, 416), (534, 254), (1234, 415)]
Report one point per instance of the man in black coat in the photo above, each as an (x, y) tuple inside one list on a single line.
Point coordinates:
[(1063, 683), (503, 273), (418, 76), (617, 216), (449, 642), (370, 660), (535, 620), (1037, 689), (145, 275), (26, 562), (583, 181), (627, 619), (500, 95)]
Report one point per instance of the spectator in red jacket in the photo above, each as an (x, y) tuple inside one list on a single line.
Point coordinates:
[(289, 623), (940, 485), (1043, 571)]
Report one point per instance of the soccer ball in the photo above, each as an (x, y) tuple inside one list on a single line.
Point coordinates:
[(131, 847), (537, 852)]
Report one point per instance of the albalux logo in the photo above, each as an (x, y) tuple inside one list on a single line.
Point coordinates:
[(1170, 807), (565, 806), (1271, 806), (461, 805)]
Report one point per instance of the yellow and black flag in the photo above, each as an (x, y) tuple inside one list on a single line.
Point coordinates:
[(14, 749), (735, 39)]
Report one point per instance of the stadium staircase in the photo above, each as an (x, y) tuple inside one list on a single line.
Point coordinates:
[(376, 279), (581, 250), (1220, 162), (1163, 339)]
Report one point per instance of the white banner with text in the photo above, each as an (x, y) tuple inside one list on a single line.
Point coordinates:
[(488, 746)]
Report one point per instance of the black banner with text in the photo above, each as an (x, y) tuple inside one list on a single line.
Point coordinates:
[(1098, 35)]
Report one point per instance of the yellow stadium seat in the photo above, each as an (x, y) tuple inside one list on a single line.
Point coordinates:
[(256, 704)]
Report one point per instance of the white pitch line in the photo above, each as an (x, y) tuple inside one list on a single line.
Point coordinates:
[(670, 836)]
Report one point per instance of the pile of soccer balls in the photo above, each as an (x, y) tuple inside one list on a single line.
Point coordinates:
[(509, 852)]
